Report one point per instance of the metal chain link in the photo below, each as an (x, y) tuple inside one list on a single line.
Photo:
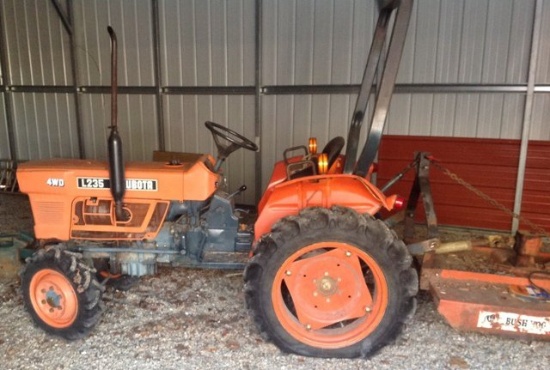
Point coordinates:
[(534, 227)]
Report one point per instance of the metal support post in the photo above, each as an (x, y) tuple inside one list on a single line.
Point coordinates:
[(527, 114), (158, 75), (258, 98), (421, 187)]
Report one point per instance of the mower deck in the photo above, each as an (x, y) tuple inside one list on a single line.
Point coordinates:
[(483, 290)]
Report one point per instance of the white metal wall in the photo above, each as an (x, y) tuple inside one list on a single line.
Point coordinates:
[(207, 43), (541, 107), (466, 42), (212, 43), (38, 55)]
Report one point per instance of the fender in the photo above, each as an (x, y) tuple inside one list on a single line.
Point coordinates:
[(288, 198)]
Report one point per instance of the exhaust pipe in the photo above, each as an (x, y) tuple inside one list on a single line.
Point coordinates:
[(114, 144)]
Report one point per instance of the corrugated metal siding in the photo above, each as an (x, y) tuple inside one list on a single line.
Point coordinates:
[(536, 203), (540, 128), (207, 43), (543, 62), (132, 21), (458, 115), (468, 41), (315, 42), (44, 126), (136, 121), (38, 47)]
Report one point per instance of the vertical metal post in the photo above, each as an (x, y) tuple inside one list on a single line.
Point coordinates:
[(5, 90), (258, 97), (76, 84), (535, 40), (158, 75)]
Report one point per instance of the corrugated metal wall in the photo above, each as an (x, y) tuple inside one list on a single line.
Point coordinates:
[(465, 42), (212, 44), (209, 44), (541, 108), (38, 56)]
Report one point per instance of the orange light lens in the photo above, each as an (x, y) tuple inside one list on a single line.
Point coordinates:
[(322, 163), (312, 145)]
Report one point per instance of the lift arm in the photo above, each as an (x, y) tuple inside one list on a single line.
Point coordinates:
[(403, 10)]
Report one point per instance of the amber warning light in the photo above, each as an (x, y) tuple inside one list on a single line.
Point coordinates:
[(312, 145)]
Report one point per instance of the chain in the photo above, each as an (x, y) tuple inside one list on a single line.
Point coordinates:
[(537, 228)]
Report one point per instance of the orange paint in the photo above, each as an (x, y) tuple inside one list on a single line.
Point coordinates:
[(327, 286), (288, 198), (53, 298), (53, 189)]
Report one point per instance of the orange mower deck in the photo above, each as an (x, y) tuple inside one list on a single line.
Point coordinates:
[(484, 289)]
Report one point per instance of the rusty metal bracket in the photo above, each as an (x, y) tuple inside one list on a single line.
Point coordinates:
[(421, 187), (425, 246)]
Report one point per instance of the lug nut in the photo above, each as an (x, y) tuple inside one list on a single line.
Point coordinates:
[(348, 254), (288, 273)]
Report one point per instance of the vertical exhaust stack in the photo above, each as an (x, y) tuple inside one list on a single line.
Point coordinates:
[(116, 162)]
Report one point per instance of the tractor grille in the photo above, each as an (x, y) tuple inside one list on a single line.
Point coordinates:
[(49, 212)]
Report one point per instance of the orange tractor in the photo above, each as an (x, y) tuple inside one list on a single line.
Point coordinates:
[(323, 276)]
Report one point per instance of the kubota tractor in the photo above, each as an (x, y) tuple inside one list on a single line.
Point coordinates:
[(323, 276)]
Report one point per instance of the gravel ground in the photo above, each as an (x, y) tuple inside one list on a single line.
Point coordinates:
[(191, 319)]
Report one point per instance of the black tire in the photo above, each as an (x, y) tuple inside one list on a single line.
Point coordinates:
[(276, 290), (61, 293)]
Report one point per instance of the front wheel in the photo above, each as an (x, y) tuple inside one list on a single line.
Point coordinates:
[(61, 293), (330, 283)]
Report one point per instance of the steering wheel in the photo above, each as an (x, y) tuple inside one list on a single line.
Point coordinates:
[(235, 140), (333, 149)]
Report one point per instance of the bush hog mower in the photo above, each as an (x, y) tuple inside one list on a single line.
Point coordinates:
[(323, 276)]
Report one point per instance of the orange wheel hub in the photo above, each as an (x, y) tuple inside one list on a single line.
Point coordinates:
[(53, 298), (330, 295)]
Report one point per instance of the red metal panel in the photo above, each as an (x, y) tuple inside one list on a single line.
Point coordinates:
[(536, 196), (488, 164)]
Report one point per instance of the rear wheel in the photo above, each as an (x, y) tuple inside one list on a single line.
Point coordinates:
[(61, 293), (330, 283)]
